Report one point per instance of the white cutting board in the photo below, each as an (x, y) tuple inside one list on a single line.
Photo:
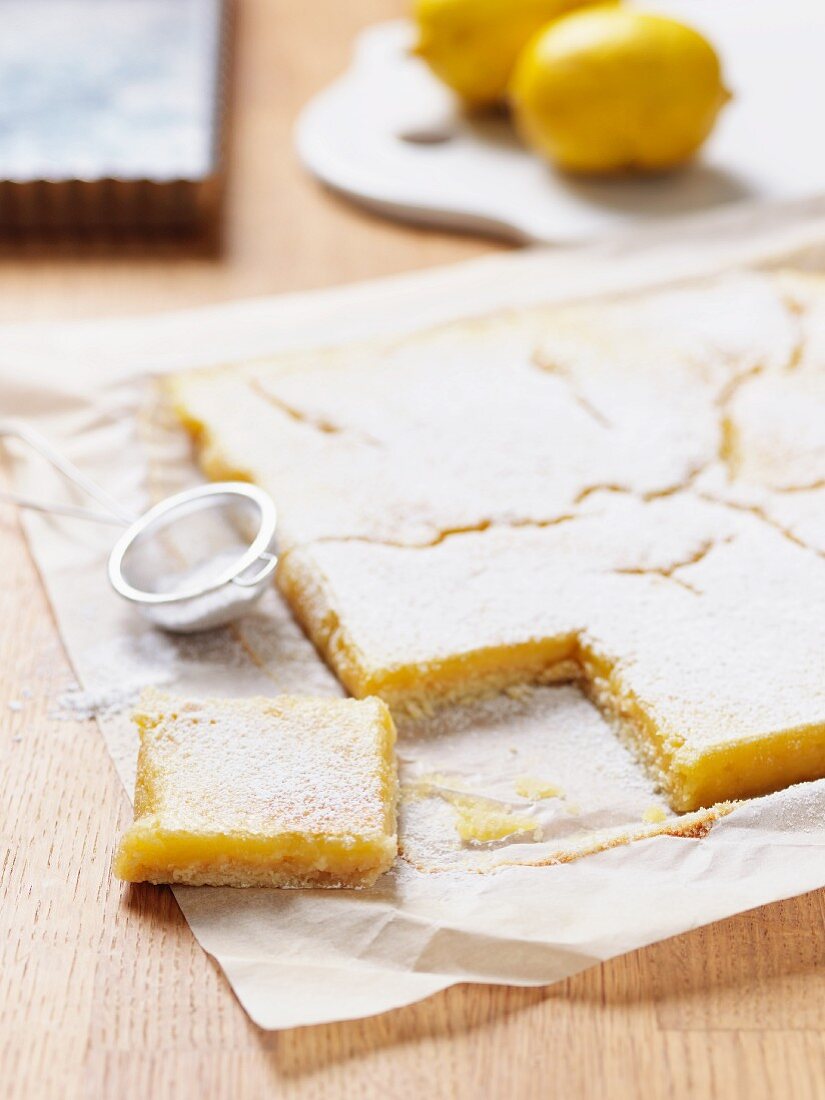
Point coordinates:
[(370, 135)]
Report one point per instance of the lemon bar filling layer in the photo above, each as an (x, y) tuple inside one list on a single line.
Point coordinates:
[(694, 778), (156, 854), (288, 791)]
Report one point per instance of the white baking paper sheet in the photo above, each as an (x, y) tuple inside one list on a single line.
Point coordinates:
[(306, 957)]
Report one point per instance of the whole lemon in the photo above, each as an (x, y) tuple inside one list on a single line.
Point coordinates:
[(473, 45), (613, 89)]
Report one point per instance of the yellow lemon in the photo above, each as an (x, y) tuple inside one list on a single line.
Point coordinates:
[(612, 89), (473, 45)]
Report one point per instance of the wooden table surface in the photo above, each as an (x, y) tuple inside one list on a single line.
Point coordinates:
[(106, 994)]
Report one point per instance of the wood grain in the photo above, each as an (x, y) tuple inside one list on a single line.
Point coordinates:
[(103, 991)]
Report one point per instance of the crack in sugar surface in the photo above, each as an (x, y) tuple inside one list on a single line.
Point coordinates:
[(683, 485), (728, 450), (558, 371), (760, 514), (442, 535), (808, 487), (669, 572), (318, 424)]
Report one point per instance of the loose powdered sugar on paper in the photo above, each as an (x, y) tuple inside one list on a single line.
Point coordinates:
[(544, 760)]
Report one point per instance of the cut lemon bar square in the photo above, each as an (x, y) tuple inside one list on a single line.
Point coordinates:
[(288, 791)]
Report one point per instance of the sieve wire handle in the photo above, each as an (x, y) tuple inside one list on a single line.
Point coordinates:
[(114, 514), (269, 560)]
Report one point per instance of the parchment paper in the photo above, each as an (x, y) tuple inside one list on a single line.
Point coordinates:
[(307, 957)]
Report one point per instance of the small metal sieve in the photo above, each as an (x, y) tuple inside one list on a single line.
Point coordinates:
[(194, 561)]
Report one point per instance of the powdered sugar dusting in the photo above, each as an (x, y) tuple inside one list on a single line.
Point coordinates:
[(637, 486), (264, 766)]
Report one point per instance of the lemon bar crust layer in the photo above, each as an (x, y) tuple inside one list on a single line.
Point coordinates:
[(288, 791)]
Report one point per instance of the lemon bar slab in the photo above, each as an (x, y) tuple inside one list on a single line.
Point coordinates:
[(630, 493), (704, 641), (504, 419), (288, 791)]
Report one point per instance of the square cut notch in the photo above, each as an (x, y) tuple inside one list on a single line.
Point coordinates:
[(288, 791)]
